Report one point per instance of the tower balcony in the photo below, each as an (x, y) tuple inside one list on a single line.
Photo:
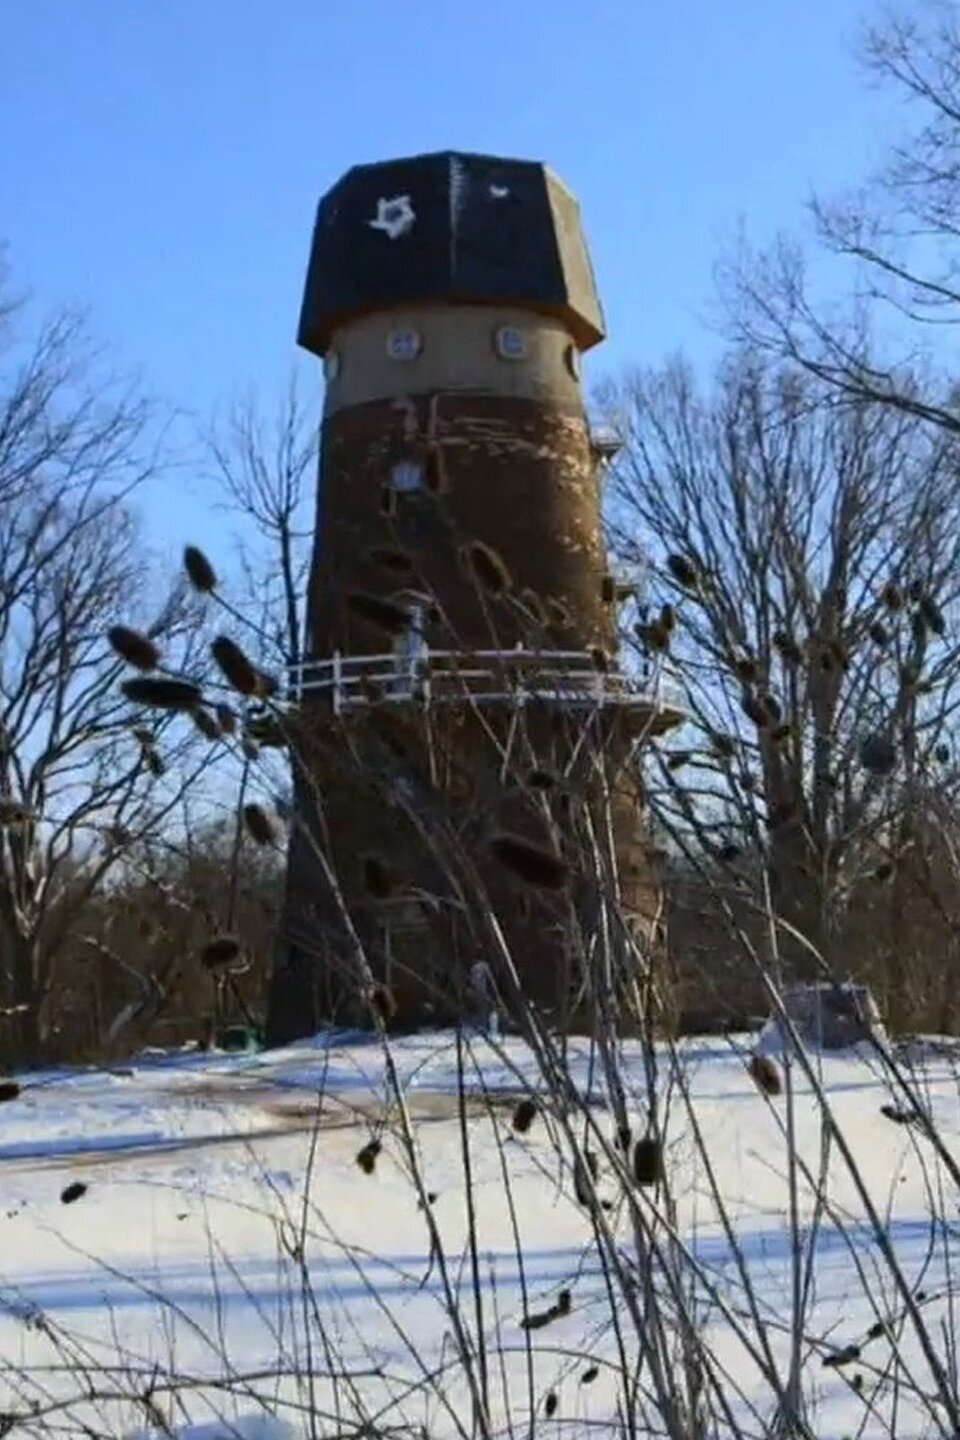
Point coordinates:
[(569, 679)]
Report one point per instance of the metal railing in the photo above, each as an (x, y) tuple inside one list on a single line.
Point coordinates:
[(488, 677)]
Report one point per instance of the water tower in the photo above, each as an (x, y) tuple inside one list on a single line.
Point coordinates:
[(461, 608)]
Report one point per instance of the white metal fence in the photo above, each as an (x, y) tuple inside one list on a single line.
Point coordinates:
[(489, 677)]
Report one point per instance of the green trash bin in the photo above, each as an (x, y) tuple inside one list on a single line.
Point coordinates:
[(240, 1039)]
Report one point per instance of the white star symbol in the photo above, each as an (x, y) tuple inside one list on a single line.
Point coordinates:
[(394, 216)]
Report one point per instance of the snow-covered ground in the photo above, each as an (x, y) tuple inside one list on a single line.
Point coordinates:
[(229, 1256)]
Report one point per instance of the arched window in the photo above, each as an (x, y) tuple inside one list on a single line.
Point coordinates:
[(406, 476)]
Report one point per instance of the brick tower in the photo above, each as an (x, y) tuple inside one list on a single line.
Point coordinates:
[(450, 297)]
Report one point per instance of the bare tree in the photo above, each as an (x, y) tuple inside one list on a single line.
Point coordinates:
[(266, 469), (77, 786), (900, 231), (808, 564), (139, 966)]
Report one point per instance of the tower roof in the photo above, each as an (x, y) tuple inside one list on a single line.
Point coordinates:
[(448, 228)]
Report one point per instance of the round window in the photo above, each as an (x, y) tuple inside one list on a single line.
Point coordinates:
[(403, 344), (511, 343), (331, 365), (572, 357)]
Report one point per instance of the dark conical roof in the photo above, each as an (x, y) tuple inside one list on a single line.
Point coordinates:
[(451, 228)]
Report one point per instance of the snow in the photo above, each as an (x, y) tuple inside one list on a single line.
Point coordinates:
[(244, 1427), (229, 1254)]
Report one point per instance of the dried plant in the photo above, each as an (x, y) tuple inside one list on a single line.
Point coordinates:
[(258, 824), (648, 1161), (367, 1156), (533, 864), (163, 693), (226, 718), (136, 649), (206, 723), (488, 569), (765, 1073), (524, 1115), (235, 666), (201, 573)]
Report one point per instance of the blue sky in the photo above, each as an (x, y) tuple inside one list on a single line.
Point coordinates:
[(163, 158)]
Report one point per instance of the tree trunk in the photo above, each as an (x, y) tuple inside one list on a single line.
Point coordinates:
[(26, 1039)]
